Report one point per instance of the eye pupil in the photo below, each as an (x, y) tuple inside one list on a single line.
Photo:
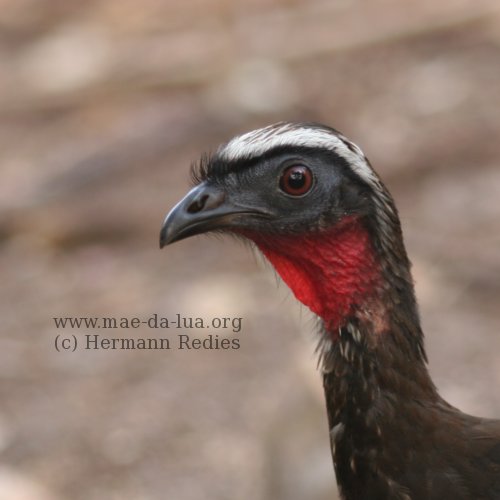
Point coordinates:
[(296, 180)]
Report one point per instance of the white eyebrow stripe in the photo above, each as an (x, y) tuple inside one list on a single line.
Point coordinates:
[(257, 142)]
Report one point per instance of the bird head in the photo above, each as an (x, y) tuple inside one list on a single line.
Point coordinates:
[(310, 201)]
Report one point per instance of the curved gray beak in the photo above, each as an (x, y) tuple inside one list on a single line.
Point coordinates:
[(204, 208)]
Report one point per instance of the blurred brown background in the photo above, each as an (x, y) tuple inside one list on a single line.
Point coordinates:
[(103, 106)]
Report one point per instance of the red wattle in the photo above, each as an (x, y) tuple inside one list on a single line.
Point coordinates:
[(329, 271)]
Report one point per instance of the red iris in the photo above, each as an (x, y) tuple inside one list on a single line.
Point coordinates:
[(296, 180)]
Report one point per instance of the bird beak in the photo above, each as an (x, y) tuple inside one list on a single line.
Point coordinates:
[(205, 208)]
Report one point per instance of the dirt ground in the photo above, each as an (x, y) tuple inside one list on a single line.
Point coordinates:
[(104, 105)]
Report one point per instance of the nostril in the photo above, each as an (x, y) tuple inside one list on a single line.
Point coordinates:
[(198, 204), (205, 201)]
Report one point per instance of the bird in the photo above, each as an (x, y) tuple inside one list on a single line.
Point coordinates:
[(308, 198)]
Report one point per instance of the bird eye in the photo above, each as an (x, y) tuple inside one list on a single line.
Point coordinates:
[(296, 180)]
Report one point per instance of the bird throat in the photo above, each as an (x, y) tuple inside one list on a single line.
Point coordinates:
[(334, 272)]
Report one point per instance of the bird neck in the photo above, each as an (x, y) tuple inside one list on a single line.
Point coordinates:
[(372, 354)]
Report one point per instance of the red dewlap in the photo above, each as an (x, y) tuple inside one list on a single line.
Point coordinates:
[(330, 271)]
